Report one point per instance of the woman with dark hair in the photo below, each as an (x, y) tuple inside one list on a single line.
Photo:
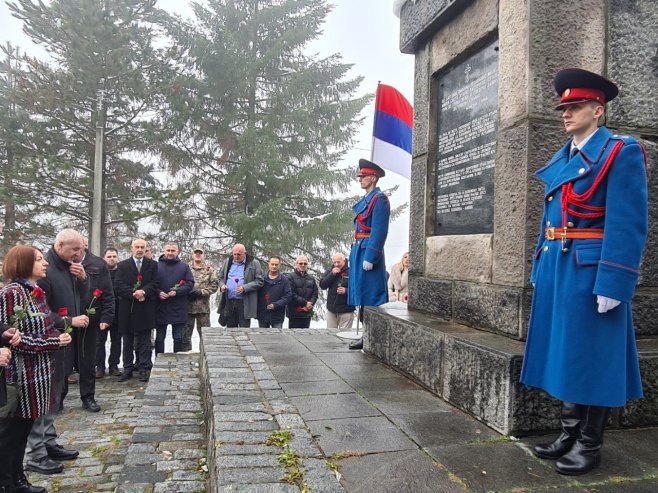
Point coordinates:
[(23, 305), (398, 281)]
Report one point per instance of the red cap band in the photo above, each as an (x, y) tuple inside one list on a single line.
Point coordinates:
[(580, 94), (367, 171)]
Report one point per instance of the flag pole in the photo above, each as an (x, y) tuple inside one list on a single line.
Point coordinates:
[(374, 125)]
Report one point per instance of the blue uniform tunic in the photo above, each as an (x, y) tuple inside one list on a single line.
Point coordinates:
[(573, 352), (368, 288)]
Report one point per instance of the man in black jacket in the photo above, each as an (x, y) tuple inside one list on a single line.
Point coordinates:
[(98, 302), (111, 258), (65, 284), (273, 296), (304, 295), (339, 314)]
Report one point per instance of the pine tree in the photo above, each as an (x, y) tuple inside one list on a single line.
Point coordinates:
[(103, 66), (258, 128)]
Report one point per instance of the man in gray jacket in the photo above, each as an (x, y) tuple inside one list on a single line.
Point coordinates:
[(241, 277)]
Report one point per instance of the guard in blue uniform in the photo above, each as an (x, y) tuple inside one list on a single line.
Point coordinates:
[(581, 344), (367, 284)]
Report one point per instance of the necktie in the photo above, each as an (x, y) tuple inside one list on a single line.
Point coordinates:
[(139, 265), (574, 151)]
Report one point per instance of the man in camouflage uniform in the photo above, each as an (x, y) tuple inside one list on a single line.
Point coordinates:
[(205, 284)]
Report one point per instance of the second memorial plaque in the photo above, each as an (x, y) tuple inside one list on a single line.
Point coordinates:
[(466, 144)]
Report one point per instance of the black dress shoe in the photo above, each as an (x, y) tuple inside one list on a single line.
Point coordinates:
[(58, 452), (358, 344), (126, 375), (90, 404), (45, 465), (115, 372), (24, 486), (143, 376)]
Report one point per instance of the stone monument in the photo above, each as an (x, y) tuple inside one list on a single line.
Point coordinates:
[(484, 123)]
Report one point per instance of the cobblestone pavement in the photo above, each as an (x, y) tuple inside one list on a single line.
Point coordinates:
[(147, 438)]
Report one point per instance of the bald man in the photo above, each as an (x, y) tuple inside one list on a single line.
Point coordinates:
[(240, 277)]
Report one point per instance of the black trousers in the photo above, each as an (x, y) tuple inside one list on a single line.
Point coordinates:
[(299, 323), (85, 341), (140, 343), (235, 314), (115, 347), (13, 439)]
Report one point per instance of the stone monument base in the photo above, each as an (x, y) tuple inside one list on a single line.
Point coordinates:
[(479, 371)]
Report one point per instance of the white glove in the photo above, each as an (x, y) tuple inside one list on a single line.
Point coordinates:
[(367, 265), (606, 304)]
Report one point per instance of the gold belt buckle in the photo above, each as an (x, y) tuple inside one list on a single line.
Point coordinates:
[(550, 233)]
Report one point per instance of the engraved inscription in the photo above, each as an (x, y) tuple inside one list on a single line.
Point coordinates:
[(466, 150)]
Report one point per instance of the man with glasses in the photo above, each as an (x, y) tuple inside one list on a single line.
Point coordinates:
[(367, 286), (304, 295), (241, 277)]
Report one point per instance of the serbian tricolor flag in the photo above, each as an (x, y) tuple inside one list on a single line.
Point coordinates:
[(391, 137)]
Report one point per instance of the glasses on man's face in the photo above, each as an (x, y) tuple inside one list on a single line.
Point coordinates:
[(302, 263)]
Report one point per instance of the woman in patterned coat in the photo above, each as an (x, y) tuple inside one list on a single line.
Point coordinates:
[(32, 367)]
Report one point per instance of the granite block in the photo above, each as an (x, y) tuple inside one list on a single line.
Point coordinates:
[(431, 296), (490, 307), (467, 29), (421, 101), (478, 380), (420, 207), (418, 352), (562, 34), (632, 55), (462, 257)]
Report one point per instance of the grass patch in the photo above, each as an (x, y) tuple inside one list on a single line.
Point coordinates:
[(279, 438), (98, 450)]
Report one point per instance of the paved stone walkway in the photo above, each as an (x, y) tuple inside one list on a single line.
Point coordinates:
[(294, 411), (146, 438)]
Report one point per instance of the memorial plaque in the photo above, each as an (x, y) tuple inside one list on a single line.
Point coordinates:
[(466, 145)]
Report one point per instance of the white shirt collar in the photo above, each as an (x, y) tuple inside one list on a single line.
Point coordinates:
[(582, 142)]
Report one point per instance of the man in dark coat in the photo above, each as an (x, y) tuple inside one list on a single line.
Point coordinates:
[(100, 310), (581, 342), (304, 295), (340, 315), (273, 296), (111, 259), (368, 279), (175, 280), (136, 286), (65, 284)]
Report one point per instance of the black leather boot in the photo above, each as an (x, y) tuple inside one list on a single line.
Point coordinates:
[(585, 455), (570, 421), (22, 485)]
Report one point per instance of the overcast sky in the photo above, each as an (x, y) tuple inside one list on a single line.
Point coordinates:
[(366, 34)]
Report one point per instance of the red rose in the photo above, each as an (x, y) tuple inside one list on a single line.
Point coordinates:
[(299, 309), (139, 278), (267, 296), (181, 282), (63, 312), (343, 274), (98, 293), (237, 280), (38, 293)]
